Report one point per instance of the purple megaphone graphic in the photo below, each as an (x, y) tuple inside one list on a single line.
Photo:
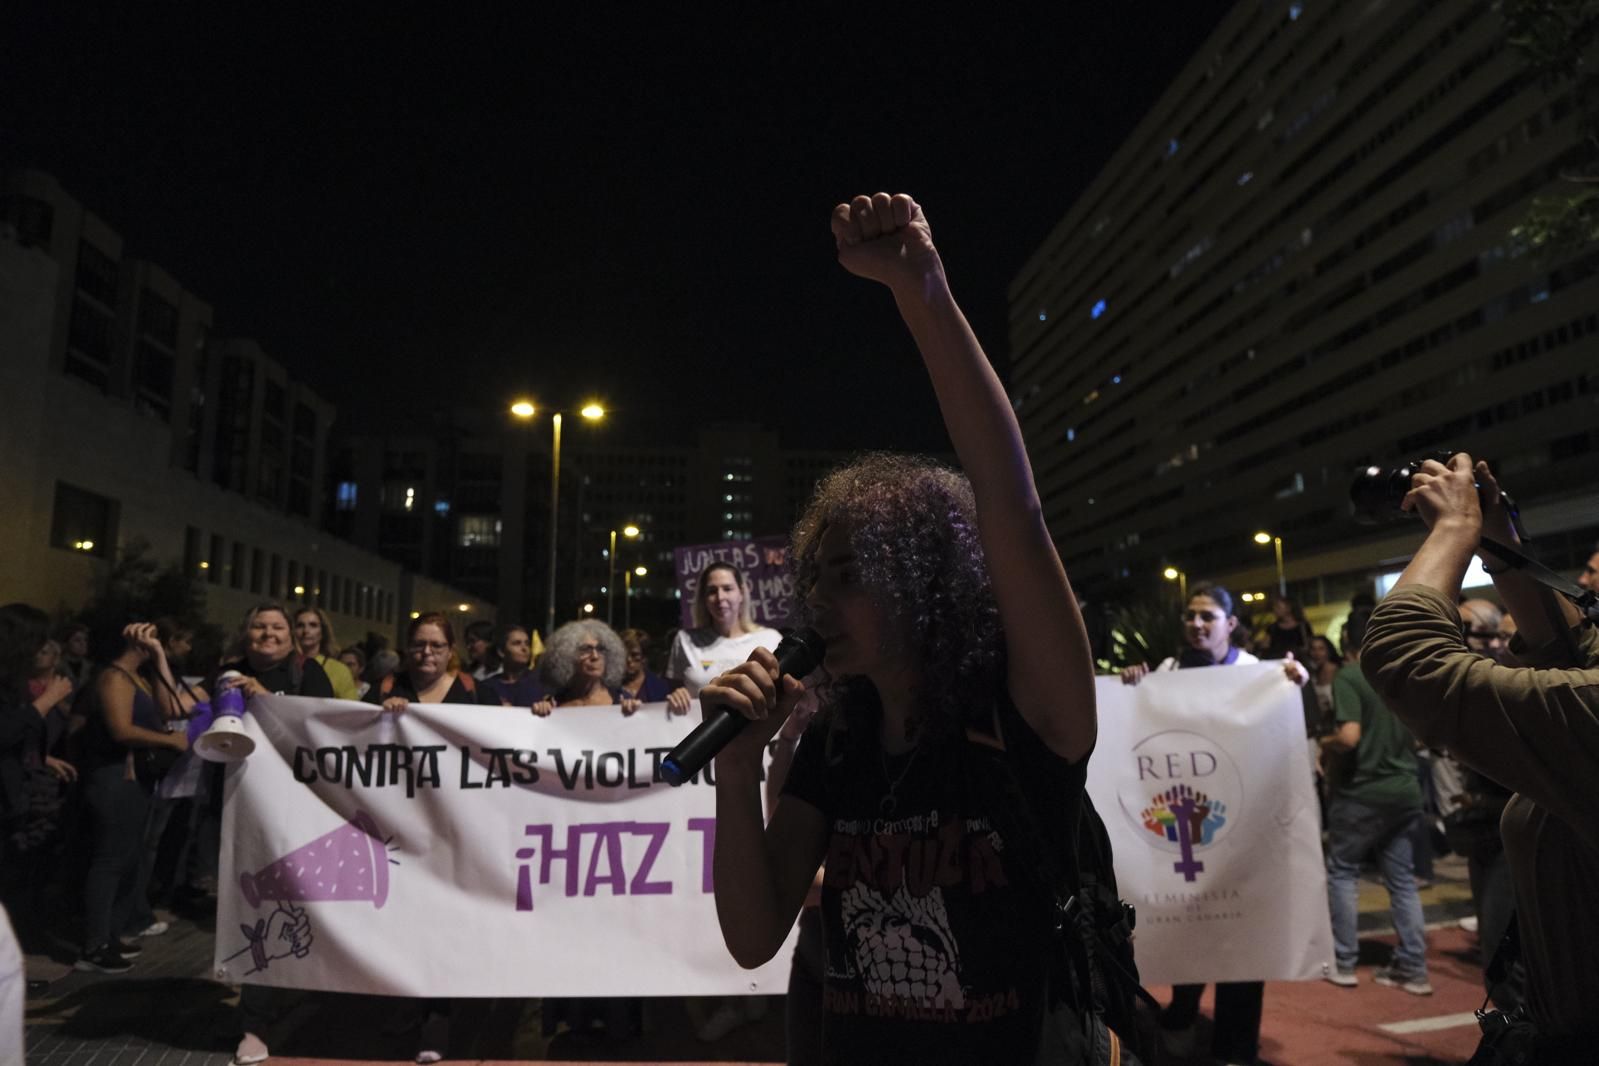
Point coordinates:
[(350, 863)]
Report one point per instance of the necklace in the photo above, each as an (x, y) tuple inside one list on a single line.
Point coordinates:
[(889, 802)]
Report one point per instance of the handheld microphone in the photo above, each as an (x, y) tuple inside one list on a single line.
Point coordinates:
[(798, 654)]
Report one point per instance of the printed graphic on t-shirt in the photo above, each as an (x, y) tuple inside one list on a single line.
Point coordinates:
[(907, 889), (903, 946)]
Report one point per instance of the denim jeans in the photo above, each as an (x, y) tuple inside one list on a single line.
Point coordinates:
[(117, 810), (1354, 828)]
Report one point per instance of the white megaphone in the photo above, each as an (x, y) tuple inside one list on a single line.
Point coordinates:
[(225, 739)]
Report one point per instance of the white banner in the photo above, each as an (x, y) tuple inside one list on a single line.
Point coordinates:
[(470, 851), (1204, 782)]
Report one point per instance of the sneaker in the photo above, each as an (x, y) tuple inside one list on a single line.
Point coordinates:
[(251, 1050), (1342, 978), (1389, 978), (155, 928), (125, 949), (435, 1039), (1469, 923), (723, 1020), (1178, 1043), (103, 959)]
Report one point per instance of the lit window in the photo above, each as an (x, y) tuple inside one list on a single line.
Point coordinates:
[(478, 531), (344, 496), (441, 507), (1098, 309), (410, 499)]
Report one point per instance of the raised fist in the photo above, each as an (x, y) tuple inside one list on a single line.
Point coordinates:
[(885, 238)]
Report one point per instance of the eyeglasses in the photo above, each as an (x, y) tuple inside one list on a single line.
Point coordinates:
[(429, 645), (590, 649), (1200, 616)]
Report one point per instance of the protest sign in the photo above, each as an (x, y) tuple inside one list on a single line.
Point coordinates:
[(764, 562), (455, 850), (1204, 782)]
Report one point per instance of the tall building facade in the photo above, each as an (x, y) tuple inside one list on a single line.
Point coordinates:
[(1299, 264), (130, 420)]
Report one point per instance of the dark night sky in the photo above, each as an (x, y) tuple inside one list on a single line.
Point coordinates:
[(413, 208)]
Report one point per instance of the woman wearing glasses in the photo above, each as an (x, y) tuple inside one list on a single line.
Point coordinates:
[(1208, 626), (582, 666), (430, 673)]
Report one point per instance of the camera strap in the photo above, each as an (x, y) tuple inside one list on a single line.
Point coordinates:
[(1585, 600)]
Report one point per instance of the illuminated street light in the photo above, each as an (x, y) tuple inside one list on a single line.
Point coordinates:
[(525, 410), (299, 590), (629, 531), (1171, 573), (641, 571), (588, 608), (1263, 538), (463, 607)]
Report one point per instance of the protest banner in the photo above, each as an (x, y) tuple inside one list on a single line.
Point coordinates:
[(477, 851), (764, 561), (456, 850), (1204, 782)]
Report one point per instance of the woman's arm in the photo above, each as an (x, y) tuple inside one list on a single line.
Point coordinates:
[(761, 871), (1051, 667)]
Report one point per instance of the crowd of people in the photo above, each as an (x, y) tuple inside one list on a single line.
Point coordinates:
[(958, 692), (107, 814)]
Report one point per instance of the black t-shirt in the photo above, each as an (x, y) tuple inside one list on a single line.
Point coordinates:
[(279, 677), (937, 918), (403, 686)]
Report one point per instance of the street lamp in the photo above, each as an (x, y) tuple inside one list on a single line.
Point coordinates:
[(629, 531), (627, 599), (1171, 573), (1263, 538), (525, 410)]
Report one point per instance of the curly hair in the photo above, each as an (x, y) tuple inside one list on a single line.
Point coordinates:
[(913, 527), (558, 664)]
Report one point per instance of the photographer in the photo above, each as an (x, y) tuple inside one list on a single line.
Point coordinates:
[(1534, 728)]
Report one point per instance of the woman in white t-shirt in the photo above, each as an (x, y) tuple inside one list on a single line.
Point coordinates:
[(724, 632)]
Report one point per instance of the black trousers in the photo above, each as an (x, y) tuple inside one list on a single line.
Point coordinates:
[(1236, 1037)]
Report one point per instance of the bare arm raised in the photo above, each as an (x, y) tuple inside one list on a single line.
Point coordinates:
[(887, 239)]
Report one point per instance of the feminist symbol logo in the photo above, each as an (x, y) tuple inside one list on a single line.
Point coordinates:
[(1188, 819)]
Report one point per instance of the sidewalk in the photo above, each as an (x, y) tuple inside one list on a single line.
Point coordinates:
[(169, 1012)]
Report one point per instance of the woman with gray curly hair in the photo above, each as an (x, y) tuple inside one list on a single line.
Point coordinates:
[(944, 776), (582, 666)]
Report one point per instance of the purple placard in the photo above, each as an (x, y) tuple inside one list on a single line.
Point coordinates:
[(764, 561)]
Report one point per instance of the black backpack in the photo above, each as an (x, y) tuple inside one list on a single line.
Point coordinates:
[(1095, 975)]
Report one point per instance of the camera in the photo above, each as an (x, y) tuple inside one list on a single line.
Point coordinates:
[(1377, 491)]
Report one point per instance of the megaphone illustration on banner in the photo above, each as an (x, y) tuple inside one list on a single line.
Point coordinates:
[(225, 740), (349, 863)]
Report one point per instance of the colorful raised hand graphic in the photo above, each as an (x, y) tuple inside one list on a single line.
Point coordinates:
[(1188, 819)]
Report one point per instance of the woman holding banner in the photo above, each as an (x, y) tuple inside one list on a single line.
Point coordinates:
[(943, 777), (724, 633), (1208, 626), (582, 666)]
